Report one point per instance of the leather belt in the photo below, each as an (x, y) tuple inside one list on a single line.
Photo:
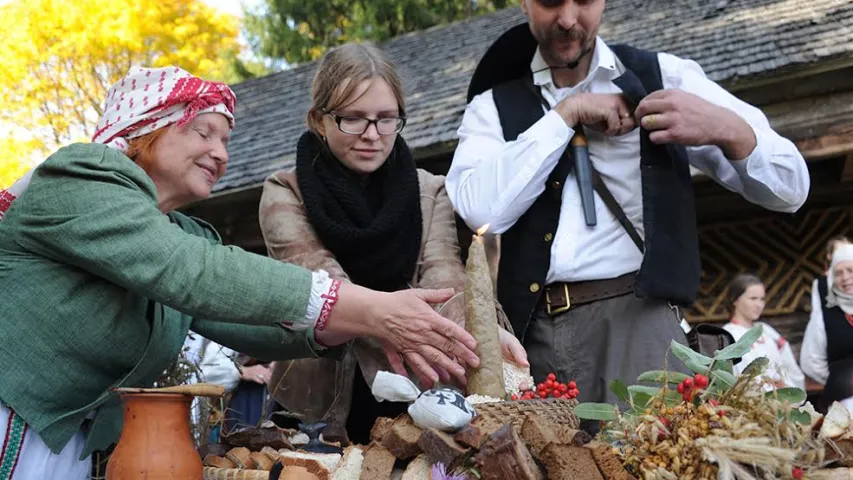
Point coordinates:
[(560, 296)]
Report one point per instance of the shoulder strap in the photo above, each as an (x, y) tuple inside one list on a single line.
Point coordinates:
[(614, 207), (599, 186)]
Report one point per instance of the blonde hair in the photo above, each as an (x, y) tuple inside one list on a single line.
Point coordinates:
[(340, 73)]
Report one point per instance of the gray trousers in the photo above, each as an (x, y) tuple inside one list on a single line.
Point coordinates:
[(597, 342)]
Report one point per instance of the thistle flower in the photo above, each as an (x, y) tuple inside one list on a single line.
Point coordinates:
[(439, 472)]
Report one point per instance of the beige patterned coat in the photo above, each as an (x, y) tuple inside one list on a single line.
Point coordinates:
[(321, 389)]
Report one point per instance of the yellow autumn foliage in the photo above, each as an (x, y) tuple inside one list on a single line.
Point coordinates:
[(15, 158), (59, 57)]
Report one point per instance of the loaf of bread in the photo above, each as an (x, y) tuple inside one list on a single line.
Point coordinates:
[(418, 469), (320, 464), (608, 463), (845, 447), (261, 461), (567, 435), (241, 456), (378, 463), (217, 461), (504, 455), (440, 447), (271, 453), (566, 461), (402, 440), (297, 473), (350, 465), (536, 435), (380, 427), (470, 436)]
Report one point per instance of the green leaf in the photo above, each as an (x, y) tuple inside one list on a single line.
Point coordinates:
[(723, 365), (794, 396), (621, 391), (740, 347), (696, 362), (726, 379), (756, 367), (672, 398), (661, 376), (803, 418), (596, 411), (650, 391), (640, 400)]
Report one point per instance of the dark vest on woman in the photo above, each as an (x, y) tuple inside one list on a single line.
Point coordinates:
[(839, 349), (670, 268)]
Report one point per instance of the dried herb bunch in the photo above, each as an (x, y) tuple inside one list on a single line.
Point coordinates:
[(182, 371), (711, 425)]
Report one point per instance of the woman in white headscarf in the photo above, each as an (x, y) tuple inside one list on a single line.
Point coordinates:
[(827, 353), (102, 279)]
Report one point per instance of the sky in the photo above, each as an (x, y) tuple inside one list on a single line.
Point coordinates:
[(231, 6)]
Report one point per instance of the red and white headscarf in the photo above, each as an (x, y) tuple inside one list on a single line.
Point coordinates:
[(145, 100)]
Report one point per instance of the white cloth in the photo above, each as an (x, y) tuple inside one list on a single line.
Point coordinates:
[(444, 409), (144, 100), (216, 365), (321, 284), (214, 361), (492, 181), (813, 359), (37, 462), (772, 345), (148, 99), (835, 297)]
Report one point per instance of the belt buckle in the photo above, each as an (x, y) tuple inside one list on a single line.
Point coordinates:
[(555, 311)]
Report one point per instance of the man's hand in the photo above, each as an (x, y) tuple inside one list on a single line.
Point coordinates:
[(607, 113), (675, 116)]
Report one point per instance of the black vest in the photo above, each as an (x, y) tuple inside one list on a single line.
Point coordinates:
[(670, 268), (839, 349)]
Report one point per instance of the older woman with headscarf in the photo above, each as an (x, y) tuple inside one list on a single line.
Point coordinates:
[(102, 278), (827, 352)]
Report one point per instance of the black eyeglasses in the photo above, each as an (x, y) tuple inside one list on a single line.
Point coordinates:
[(358, 125)]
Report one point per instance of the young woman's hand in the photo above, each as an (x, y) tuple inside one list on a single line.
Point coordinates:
[(512, 349)]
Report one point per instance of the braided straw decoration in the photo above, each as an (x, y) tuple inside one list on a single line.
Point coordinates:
[(213, 473), (555, 411)]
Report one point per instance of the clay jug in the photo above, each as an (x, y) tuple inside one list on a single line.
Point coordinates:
[(156, 442)]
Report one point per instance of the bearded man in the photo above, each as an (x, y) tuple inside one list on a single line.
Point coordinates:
[(597, 301)]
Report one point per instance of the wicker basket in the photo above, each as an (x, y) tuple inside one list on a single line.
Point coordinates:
[(213, 473), (554, 411)]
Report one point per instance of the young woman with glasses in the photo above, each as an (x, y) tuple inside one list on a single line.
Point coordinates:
[(357, 207)]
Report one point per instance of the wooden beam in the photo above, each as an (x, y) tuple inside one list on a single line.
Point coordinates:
[(837, 141), (791, 73)]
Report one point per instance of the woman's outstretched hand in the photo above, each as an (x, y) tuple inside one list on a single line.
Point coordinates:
[(409, 329)]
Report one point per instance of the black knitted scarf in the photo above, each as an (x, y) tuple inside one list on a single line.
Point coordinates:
[(372, 225)]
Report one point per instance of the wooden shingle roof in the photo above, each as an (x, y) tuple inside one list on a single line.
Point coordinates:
[(731, 39)]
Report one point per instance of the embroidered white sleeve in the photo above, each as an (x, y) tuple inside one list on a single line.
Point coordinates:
[(320, 284)]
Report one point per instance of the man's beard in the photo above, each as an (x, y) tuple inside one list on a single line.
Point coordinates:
[(558, 33)]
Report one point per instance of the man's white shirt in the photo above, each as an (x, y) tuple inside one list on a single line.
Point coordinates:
[(492, 181)]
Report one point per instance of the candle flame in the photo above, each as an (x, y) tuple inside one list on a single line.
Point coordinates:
[(482, 230)]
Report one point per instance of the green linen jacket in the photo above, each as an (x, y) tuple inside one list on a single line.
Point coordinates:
[(98, 289)]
